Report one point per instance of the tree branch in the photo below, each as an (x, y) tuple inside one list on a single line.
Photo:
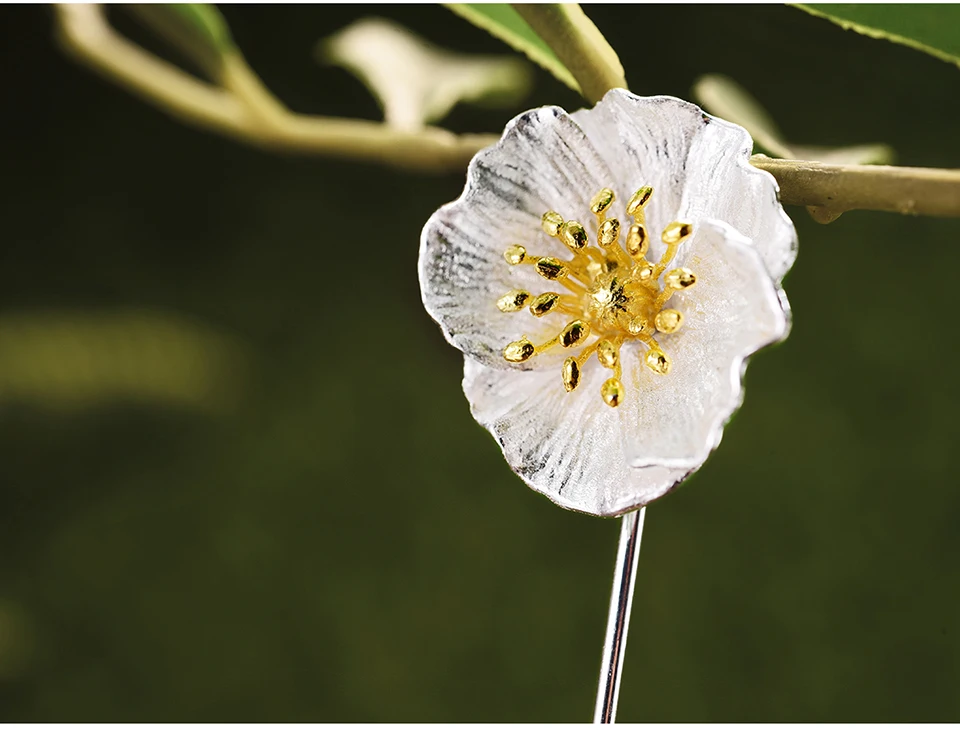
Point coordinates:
[(829, 190), (244, 110), (578, 44)]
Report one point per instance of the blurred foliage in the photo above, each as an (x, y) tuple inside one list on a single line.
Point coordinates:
[(931, 28), (343, 542), (503, 22), (205, 19), (416, 82), (198, 30), (73, 360), (725, 98)]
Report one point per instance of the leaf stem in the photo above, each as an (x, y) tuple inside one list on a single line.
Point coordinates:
[(578, 44)]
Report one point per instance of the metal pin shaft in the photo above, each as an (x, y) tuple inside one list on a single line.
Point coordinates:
[(621, 600)]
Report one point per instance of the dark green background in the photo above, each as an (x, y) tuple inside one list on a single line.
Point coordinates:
[(339, 541)]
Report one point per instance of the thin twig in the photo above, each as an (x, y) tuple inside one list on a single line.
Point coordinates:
[(578, 44), (244, 110)]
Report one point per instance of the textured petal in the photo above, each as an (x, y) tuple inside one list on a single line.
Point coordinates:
[(543, 162), (645, 142), (733, 310), (564, 445), (721, 184), (698, 165)]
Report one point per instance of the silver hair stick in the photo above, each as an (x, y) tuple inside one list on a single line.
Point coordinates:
[(618, 621)]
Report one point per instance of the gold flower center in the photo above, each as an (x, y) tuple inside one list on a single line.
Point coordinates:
[(611, 291)]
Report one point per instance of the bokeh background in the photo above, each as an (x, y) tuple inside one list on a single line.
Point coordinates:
[(239, 481)]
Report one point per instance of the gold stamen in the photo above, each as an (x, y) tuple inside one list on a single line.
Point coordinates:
[(679, 279), (608, 232), (601, 201), (586, 353), (639, 200), (544, 303), (637, 325), (612, 391), (515, 254), (518, 351), (677, 231), (513, 301), (551, 223), (573, 235), (673, 235), (656, 360), (668, 321), (574, 333), (644, 271), (608, 354), (616, 292), (571, 374), (637, 241), (551, 268)]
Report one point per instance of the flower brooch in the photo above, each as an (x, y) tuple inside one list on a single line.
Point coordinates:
[(606, 274)]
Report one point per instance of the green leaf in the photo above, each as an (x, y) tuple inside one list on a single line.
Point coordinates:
[(726, 99), (206, 21), (196, 29), (502, 21), (933, 29)]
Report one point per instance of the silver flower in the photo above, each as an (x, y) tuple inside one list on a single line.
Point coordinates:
[(606, 274)]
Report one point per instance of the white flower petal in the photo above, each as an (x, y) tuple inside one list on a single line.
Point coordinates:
[(645, 142), (721, 184), (734, 309), (698, 166), (564, 445), (543, 162)]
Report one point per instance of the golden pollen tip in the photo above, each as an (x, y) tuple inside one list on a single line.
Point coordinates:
[(679, 278), (612, 391), (640, 198), (518, 351), (573, 235), (657, 361), (551, 268), (637, 325), (676, 232), (513, 301), (551, 223), (571, 374), (668, 321), (574, 334), (515, 254), (607, 354), (637, 241), (609, 232), (544, 303), (601, 201), (644, 271)]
